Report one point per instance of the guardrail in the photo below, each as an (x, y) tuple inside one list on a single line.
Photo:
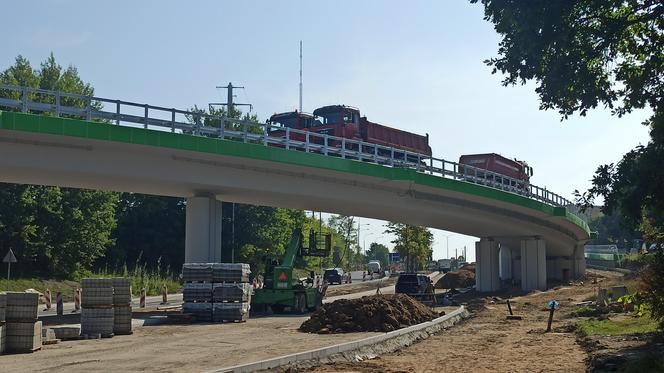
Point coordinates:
[(62, 104)]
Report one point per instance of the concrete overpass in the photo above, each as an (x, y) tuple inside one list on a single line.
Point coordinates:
[(525, 235)]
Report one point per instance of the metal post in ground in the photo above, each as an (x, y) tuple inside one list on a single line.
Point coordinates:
[(552, 307)]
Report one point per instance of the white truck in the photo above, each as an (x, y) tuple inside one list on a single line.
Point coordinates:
[(373, 267), (444, 265)]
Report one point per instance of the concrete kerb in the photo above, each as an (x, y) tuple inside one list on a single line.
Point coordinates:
[(356, 350)]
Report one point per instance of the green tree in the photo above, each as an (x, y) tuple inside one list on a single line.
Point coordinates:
[(612, 229), (345, 227), (149, 228), (582, 53), (54, 231), (588, 53), (379, 252), (413, 243)]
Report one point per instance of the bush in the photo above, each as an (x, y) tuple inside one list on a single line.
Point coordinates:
[(653, 285), (589, 311)]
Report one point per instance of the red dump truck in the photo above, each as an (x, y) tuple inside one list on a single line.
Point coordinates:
[(493, 162), (345, 121)]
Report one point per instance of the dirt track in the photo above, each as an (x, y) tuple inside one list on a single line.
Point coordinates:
[(489, 343)]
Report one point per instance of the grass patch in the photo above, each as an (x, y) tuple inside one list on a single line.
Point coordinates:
[(588, 311), (140, 276), (626, 326), (66, 287)]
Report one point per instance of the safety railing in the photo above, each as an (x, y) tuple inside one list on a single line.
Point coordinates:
[(119, 112)]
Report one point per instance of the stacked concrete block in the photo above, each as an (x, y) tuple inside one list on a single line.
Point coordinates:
[(97, 307), (3, 308), (23, 336), (231, 292), (230, 272), (121, 306), (3, 337), (65, 333), (197, 272), (197, 292), (230, 311), (22, 330), (3, 328)]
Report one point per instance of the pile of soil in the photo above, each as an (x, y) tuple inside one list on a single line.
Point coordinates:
[(469, 267), (376, 313), (462, 278)]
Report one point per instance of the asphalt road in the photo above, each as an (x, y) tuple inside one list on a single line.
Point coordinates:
[(176, 299)]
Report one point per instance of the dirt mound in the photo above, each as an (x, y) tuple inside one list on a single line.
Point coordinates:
[(376, 313), (469, 267), (458, 279)]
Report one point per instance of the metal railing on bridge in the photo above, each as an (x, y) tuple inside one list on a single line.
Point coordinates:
[(62, 104)]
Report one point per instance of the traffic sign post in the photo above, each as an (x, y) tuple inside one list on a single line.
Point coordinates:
[(553, 305), (394, 257), (9, 259)]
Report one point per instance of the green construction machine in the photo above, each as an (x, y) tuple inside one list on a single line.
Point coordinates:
[(280, 290)]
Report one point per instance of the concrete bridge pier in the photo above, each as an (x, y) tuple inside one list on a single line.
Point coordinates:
[(505, 263), (533, 264), (578, 261), (487, 277), (203, 230)]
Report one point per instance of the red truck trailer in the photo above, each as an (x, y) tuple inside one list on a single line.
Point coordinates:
[(345, 121), (493, 162)]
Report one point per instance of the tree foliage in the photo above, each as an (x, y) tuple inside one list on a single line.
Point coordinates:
[(587, 53), (150, 229), (413, 243), (53, 230), (582, 53), (612, 229), (379, 252)]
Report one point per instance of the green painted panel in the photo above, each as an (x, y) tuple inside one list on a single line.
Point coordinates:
[(138, 137), (102, 131), (120, 134)]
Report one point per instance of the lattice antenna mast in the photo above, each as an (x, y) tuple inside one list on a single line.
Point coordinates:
[(300, 76)]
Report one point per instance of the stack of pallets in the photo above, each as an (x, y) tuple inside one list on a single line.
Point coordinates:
[(121, 306), (97, 307), (3, 328), (197, 292), (23, 331), (231, 292)]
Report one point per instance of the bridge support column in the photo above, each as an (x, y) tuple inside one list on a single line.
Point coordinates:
[(505, 262), (486, 271), (579, 261), (533, 264), (203, 230)]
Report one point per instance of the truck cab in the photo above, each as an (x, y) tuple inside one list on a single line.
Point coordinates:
[(292, 119), (339, 120)]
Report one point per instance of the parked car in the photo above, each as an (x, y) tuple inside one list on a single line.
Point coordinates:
[(334, 275), (417, 285)]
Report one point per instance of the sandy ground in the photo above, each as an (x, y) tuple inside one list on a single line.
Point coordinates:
[(188, 348), (177, 348), (489, 343)]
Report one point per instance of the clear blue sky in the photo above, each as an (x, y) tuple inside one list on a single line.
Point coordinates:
[(417, 67)]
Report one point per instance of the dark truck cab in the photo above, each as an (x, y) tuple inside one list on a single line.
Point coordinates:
[(416, 285)]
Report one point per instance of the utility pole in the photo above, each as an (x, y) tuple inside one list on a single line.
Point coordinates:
[(300, 76), (229, 99)]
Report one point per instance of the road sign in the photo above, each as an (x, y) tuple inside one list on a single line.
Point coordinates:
[(394, 257), (10, 257)]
